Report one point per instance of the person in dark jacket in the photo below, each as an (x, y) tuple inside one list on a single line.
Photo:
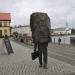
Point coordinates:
[(35, 46), (40, 27), (59, 40)]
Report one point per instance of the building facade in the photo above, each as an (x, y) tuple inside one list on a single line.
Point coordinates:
[(22, 30), (5, 20), (65, 39), (66, 35), (62, 31)]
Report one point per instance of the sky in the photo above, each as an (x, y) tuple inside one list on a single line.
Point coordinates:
[(59, 11)]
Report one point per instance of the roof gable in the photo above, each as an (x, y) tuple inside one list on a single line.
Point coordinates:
[(5, 16), (60, 29)]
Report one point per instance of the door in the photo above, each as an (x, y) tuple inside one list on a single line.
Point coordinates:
[(0, 33)]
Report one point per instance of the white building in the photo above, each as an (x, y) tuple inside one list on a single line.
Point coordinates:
[(62, 30), (22, 30), (62, 33), (65, 39)]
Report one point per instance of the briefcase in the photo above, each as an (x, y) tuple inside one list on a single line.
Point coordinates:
[(35, 55)]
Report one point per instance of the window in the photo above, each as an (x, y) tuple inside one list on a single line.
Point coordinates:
[(5, 23), (0, 24), (0, 33), (5, 31)]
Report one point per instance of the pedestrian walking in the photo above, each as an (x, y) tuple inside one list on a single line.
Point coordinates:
[(59, 40), (40, 27)]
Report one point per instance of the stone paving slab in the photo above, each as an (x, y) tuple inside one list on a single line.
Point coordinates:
[(20, 63)]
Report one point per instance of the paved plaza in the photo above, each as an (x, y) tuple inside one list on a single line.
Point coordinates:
[(20, 63)]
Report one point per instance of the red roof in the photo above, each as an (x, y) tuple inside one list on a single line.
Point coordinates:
[(5, 16)]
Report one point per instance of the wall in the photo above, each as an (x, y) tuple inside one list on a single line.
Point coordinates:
[(64, 39), (22, 30), (5, 28)]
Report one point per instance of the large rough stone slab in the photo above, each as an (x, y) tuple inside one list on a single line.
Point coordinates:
[(40, 27)]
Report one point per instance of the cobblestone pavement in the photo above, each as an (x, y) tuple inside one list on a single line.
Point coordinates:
[(20, 63)]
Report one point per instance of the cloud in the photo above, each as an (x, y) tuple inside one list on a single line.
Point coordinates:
[(58, 10)]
